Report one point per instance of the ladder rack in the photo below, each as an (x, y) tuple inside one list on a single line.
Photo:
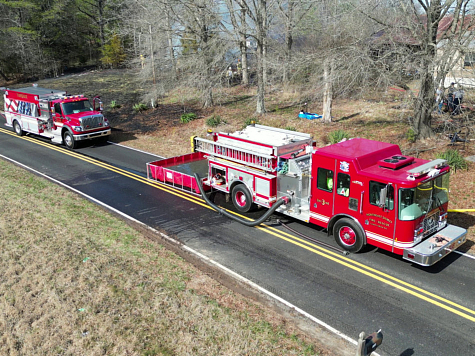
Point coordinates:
[(236, 154)]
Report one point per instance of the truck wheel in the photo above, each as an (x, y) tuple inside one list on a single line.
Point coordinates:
[(68, 140), (242, 198), (348, 235), (17, 128)]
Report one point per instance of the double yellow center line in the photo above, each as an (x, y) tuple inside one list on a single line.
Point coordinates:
[(411, 289)]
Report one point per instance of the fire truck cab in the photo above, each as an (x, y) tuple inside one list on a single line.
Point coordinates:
[(367, 192), (55, 115)]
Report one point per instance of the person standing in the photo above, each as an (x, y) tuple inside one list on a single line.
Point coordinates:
[(450, 97), (439, 98), (229, 75), (458, 96)]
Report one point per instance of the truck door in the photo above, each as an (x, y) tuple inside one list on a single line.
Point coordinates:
[(349, 192), (58, 116), (323, 191), (379, 221)]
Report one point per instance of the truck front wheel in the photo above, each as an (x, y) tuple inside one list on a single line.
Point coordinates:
[(68, 140), (348, 235), (17, 128), (242, 198)]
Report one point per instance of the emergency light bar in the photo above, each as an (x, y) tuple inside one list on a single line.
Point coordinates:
[(426, 167)]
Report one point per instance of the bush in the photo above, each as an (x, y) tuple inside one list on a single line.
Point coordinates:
[(187, 117), (411, 135), (454, 159), (337, 136), (140, 107), (251, 120), (214, 121), (114, 105)]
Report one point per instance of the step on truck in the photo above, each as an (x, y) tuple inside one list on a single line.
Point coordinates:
[(65, 119), (364, 192)]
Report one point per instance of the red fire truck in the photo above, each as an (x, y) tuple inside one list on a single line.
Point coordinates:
[(54, 114), (362, 191)]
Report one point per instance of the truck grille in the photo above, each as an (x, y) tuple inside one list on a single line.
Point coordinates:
[(431, 223), (92, 122)]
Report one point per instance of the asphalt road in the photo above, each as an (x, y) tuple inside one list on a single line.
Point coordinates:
[(422, 311)]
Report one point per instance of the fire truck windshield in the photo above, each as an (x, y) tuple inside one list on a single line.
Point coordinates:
[(76, 107), (414, 202)]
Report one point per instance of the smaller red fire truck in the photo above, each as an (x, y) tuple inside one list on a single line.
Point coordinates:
[(54, 114), (362, 191)]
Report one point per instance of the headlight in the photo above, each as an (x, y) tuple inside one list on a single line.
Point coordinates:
[(442, 220), (106, 122), (77, 128)]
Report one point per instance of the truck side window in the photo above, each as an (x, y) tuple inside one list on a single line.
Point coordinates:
[(375, 191), (57, 108), (325, 179), (343, 184)]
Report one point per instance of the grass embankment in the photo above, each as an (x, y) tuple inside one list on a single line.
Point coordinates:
[(76, 280)]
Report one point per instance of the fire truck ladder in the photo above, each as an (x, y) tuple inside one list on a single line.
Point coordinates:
[(235, 154)]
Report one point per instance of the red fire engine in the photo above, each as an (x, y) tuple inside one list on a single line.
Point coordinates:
[(54, 114), (362, 191)]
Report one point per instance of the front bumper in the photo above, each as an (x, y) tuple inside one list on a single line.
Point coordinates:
[(437, 246), (91, 135)]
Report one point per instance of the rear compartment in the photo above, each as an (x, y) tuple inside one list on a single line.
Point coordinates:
[(178, 171)]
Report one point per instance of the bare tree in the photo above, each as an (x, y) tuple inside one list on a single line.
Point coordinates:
[(237, 14), (292, 12), (439, 33)]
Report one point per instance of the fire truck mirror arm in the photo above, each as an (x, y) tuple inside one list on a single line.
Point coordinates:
[(269, 212)]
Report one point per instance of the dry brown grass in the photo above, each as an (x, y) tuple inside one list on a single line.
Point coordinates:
[(77, 281)]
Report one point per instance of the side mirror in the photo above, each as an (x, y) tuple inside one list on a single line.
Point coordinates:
[(382, 197)]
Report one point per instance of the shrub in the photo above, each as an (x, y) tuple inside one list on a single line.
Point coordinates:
[(337, 136), (454, 159), (187, 117), (114, 105), (411, 135), (251, 120), (140, 107), (214, 121)]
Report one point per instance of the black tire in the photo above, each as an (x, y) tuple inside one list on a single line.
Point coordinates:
[(348, 235), (17, 128), (68, 140), (242, 198)]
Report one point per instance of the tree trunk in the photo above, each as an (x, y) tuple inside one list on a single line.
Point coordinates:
[(152, 59), (171, 52), (208, 97), (260, 109), (245, 72), (423, 106), (327, 91)]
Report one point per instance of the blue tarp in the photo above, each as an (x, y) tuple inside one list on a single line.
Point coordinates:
[(309, 116)]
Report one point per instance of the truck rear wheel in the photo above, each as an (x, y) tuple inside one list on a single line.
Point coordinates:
[(68, 140), (242, 198), (17, 128), (348, 235)]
